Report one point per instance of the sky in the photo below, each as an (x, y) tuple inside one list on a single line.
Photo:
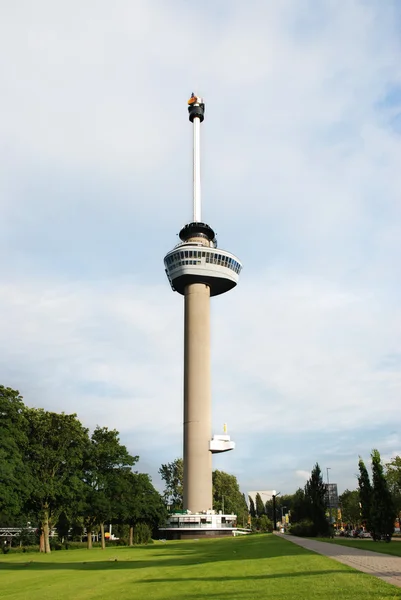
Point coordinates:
[(301, 155)]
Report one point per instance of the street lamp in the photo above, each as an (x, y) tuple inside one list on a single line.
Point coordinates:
[(274, 496), (328, 493)]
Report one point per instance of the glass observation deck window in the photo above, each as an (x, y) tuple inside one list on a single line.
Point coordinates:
[(198, 257)]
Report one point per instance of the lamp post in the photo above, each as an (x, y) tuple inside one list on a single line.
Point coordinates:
[(328, 493), (274, 496)]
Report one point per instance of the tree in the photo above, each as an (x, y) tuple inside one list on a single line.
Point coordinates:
[(140, 503), (284, 502), (365, 494), (173, 476), (393, 473), (54, 454), (350, 508), (382, 513), (299, 510), (227, 496), (259, 505), (264, 524), (393, 476), (315, 501), (106, 461), (252, 510), (56, 476), (15, 481)]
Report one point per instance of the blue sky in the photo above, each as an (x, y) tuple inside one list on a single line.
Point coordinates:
[(301, 157)]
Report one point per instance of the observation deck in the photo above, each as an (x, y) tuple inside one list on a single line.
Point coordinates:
[(198, 260)]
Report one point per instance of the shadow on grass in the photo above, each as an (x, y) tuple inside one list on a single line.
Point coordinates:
[(245, 577), (169, 555)]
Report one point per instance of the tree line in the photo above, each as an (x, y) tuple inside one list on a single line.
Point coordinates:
[(374, 505), (55, 474)]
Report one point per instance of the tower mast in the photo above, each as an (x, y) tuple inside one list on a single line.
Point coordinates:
[(196, 108)]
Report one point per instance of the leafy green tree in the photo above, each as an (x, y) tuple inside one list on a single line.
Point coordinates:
[(393, 477), (173, 476), (15, 480), (315, 500), (252, 509), (299, 510), (382, 513), (227, 496), (365, 494), (54, 454), (63, 526), (259, 505), (350, 508), (264, 524), (140, 503), (284, 504), (393, 473), (242, 513), (143, 534), (106, 461)]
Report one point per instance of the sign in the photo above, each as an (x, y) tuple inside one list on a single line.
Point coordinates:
[(332, 495)]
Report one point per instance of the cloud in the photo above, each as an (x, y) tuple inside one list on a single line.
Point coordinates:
[(300, 170), (304, 475)]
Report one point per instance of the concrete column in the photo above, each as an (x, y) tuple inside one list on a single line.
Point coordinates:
[(197, 400)]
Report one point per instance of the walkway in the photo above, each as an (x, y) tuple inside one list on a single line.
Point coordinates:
[(380, 565)]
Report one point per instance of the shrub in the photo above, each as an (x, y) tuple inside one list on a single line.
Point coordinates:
[(122, 541), (265, 524), (305, 528), (55, 544), (26, 537), (142, 534), (23, 549)]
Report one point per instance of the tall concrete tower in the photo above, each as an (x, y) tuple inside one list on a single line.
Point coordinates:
[(198, 269)]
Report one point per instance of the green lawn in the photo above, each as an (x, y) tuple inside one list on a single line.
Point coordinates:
[(393, 548), (245, 568)]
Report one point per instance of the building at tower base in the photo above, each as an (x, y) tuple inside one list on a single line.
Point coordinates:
[(186, 525)]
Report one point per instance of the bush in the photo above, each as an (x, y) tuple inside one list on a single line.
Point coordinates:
[(305, 528), (265, 524), (26, 537), (122, 541), (55, 544), (121, 530), (142, 534), (23, 549)]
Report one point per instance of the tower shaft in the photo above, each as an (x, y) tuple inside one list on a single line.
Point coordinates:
[(198, 494)]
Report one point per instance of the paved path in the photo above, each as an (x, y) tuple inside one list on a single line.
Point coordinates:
[(384, 566)]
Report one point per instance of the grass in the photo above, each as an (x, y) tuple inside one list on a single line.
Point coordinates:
[(393, 548), (245, 568)]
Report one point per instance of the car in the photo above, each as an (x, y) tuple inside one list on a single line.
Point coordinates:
[(364, 534)]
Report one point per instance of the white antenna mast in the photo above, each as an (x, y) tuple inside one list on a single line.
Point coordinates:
[(196, 109)]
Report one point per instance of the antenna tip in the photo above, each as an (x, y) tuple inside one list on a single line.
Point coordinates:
[(195, 99)]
